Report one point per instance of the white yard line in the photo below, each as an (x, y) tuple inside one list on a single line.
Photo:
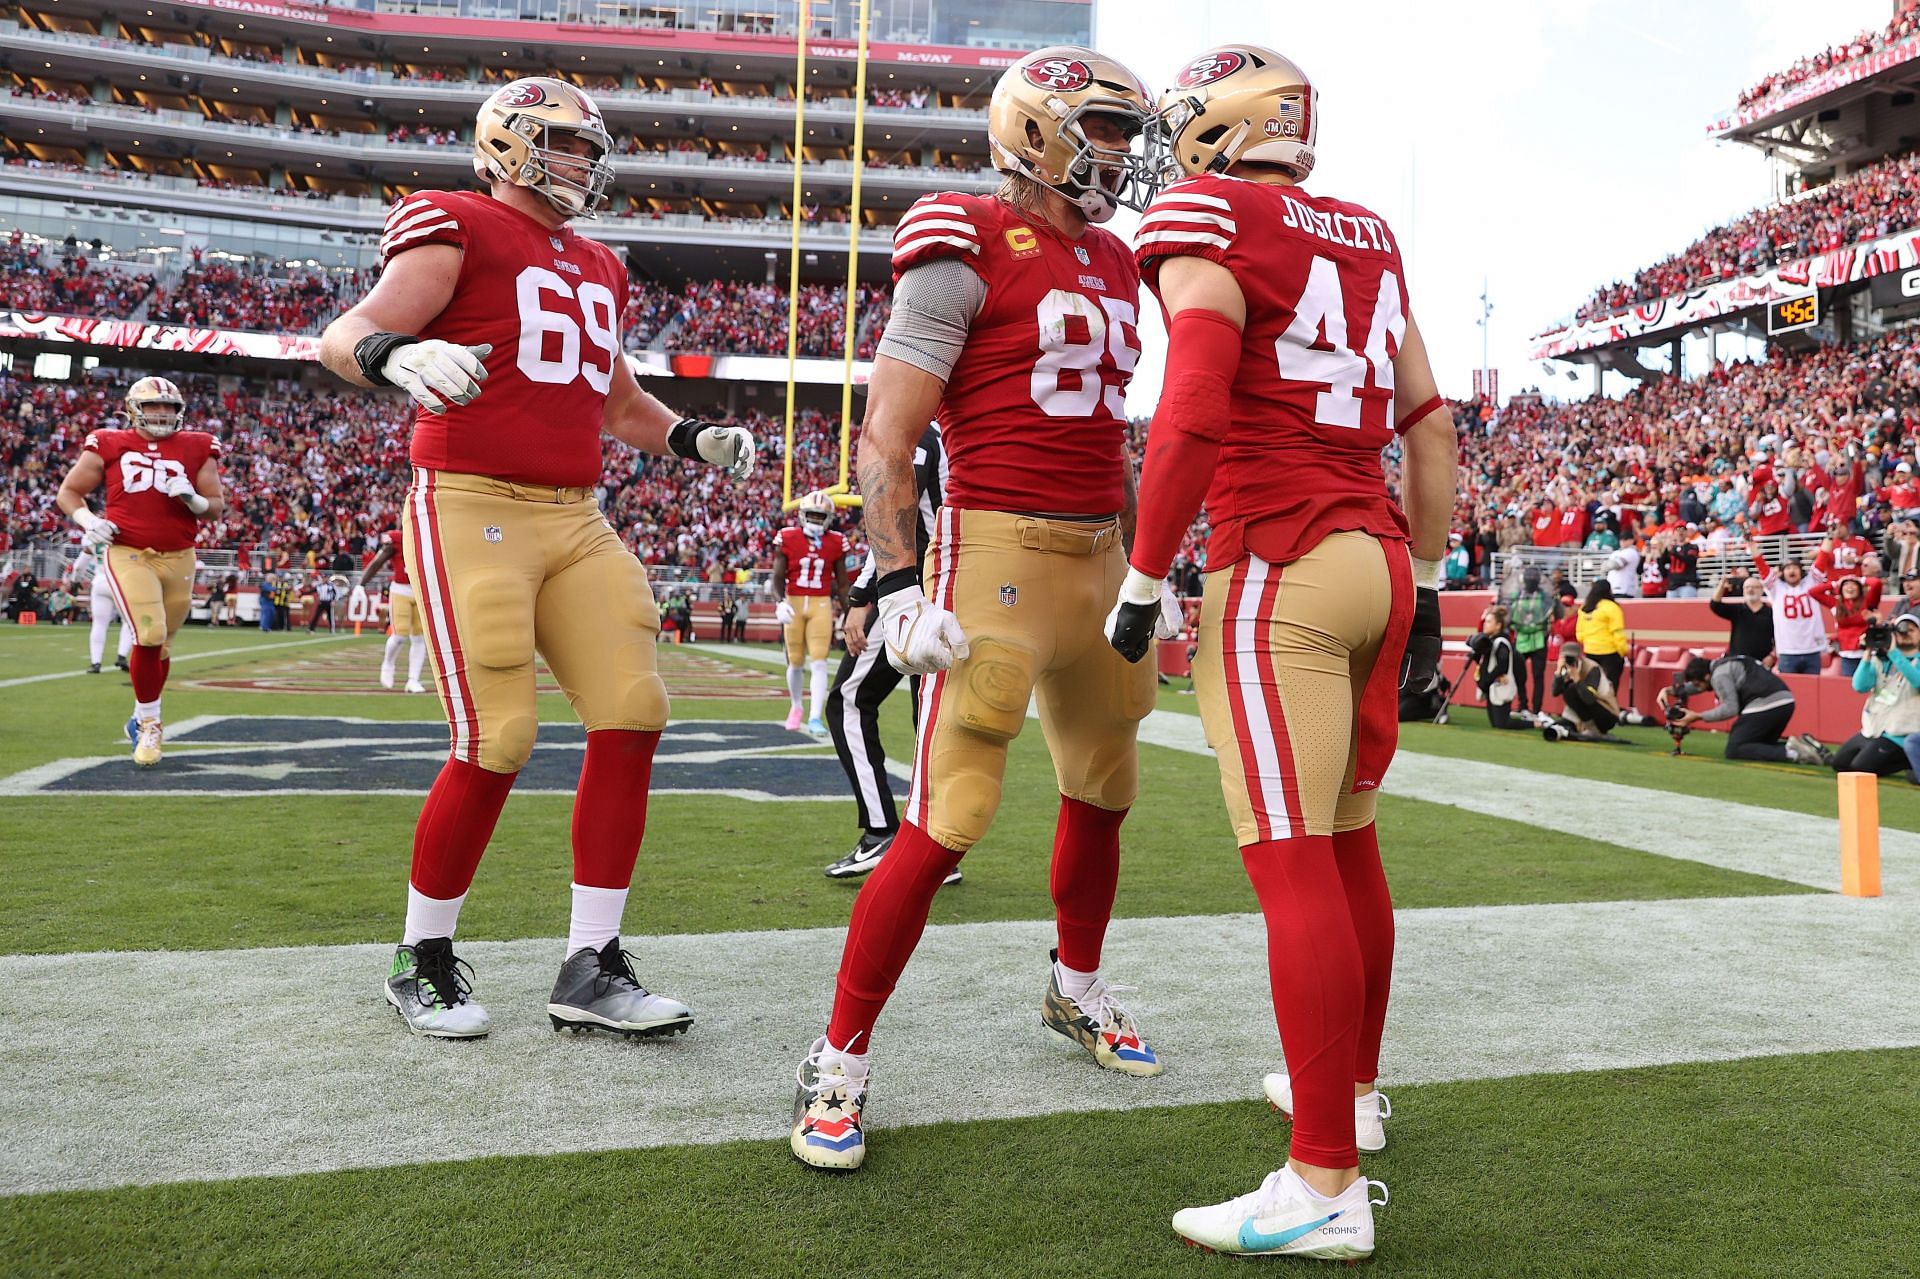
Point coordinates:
[(263, 650), (175, 1066)]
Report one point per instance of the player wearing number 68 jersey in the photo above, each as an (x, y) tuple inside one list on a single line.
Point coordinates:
[(1292, 362), (1013, 323), (503, 324), (161, 482)]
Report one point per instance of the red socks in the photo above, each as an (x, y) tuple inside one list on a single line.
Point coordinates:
[(455, 825), (610, 807), (1357, 853), (1319, 986), (1086, 869), (149, 671), (888, 918)]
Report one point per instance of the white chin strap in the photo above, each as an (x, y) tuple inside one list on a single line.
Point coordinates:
[(1095, 202)]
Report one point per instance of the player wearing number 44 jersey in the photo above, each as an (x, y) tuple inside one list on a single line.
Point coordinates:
[(1292, 361), (502, 323), (161, 482), (1013, 318)]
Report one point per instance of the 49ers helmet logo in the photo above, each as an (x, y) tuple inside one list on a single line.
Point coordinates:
[(1060, 74), (1209, 67), (525, 94)]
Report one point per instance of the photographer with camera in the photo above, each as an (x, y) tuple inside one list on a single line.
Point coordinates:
[(1889, 738), (1591, 711), (1492, 650), (1752, 696)]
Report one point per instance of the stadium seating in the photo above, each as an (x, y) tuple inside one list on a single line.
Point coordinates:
[(1877, 201), (1902, 26)]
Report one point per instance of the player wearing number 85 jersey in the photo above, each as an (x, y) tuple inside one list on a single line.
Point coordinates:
[(161, 482), (495, 293), (1013, 322), (1292, 362)]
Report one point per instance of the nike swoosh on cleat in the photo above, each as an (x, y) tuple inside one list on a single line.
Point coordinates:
[(1260, 1241)]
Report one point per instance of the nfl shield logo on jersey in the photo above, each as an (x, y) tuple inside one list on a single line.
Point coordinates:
[(1080, 251), (559, 245), (491, 532), (1009, 594)]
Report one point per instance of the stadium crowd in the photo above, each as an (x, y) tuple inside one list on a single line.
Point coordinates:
[(1874, 202), (35, 279), (1823, 443), (1902, 26), (273, 299), (729, 317)]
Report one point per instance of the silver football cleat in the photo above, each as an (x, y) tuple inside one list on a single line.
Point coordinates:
[(598, 991)]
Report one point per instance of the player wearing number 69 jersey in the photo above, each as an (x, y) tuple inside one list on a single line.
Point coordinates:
[(1013, 320), (161, 482), (1292, 363), (503, 324)]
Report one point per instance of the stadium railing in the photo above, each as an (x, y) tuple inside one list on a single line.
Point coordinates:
[(1583, 566)]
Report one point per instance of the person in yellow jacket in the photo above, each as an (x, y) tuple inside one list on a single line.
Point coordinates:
[(1601, 629)]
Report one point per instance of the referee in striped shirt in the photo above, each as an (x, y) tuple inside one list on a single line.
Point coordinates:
[(865, 679)]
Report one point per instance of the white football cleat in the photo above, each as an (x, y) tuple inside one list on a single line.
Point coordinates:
[(1285, 1218), (415, 686), (146, 747), (1370, 1113), (386, 675)]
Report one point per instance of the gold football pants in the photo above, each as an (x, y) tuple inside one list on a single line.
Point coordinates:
[(508, 570), (809, 635), (1285, 653), (153, 591), (403, 610), (1032, 596)]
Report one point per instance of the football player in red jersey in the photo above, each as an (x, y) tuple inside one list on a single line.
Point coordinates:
[(1292, 361), (403, 614), (809, 575), (510, 554), (1014, 323), (161, 482)]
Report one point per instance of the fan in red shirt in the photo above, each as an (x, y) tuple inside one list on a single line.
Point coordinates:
[(1292, 361), (1842, 553), (161, 482)]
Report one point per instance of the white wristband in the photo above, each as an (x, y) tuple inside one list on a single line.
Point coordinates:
[(1138, 588), (1426, 574), (85, 519), (196, 503)]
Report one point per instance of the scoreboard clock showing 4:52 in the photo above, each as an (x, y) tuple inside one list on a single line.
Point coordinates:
[(1789, 314)]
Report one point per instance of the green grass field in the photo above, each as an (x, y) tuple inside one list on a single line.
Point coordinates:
[(1733, 1151)]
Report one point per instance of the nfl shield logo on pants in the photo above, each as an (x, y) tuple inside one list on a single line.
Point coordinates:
[(491, 532), (1009, 595)]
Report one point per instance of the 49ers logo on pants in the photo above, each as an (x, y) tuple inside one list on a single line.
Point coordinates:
[(1063, 74)]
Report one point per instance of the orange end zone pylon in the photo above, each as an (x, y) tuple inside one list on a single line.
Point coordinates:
[(1860, 834)]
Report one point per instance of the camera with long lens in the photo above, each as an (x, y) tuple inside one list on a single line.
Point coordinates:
[(1877, 639), (1676, 710)]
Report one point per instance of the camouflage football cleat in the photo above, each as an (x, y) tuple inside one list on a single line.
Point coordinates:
[(427, 985), (826, 1111), (598, 991), (1097, 1023)]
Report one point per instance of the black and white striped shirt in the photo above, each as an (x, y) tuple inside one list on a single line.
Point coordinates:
[(930, 481)]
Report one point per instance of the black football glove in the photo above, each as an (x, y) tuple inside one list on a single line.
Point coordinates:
[(1145, 611), (1130, 629), (1420, 671)]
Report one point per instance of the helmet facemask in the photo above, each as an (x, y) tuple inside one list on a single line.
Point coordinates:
[(573, 198), (1098, 180), (816, 512), (155, 412)]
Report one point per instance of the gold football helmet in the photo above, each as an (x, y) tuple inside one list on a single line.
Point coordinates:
[(1034, 127), (516, 138), (816, 512), (1239, 102), (155, 407)]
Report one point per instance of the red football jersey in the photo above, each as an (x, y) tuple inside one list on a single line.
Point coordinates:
[(398, 564), (148, 519), (1034, 415), (810, 564), (550, 302), (1313, 401)]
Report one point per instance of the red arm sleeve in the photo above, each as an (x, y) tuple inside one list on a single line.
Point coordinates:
[(1183, 443), (1874, 588)]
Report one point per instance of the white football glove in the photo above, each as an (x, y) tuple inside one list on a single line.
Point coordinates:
[(438, 374), (177, 485), (728, 446), (920, 637), (96, 533), (1145, 611), (783, 612)]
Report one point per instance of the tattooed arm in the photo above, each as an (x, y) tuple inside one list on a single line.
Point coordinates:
[(901, 399)]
